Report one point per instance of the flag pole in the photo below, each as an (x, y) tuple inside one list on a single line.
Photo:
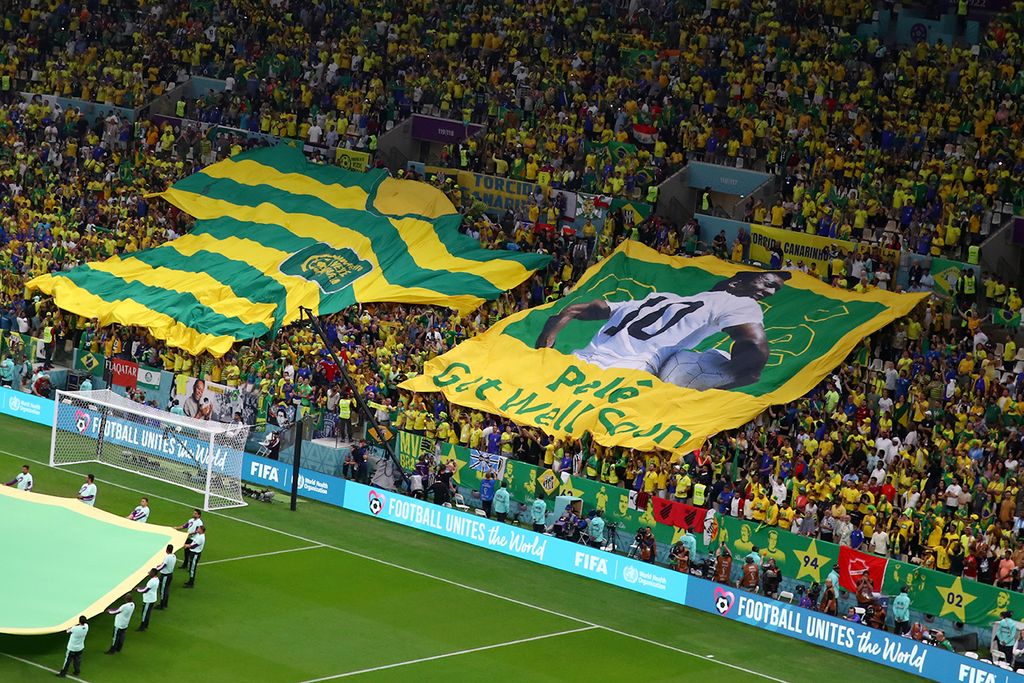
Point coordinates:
[(364, 410)]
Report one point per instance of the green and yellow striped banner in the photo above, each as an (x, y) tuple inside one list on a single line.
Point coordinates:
[(276, 233)]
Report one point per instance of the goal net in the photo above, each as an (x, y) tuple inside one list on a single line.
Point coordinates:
[(105, 427)]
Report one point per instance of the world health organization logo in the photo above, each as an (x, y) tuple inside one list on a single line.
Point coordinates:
[(630, 574), (14, 403), (331, 269)]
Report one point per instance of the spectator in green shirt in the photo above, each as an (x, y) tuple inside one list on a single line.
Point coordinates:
[(500, 504), (539, 511), (1006, 634), (6, 372), (901, 612), (596, 530)]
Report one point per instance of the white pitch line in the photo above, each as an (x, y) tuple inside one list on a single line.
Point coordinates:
[(276, 552), (44, 668), (474, 589), (451, 654)]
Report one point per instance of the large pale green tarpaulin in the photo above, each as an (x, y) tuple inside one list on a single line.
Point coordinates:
[(63, 558), (276, 233), (932, 592), (521, 480)]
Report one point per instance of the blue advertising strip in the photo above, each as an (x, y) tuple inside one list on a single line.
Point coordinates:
[(312, 485), (847, 637), (616, 570), (26, 406)]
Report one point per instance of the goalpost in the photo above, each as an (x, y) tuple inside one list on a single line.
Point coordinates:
[(105, 427)]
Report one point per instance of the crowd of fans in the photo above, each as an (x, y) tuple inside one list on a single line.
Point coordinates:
[(906, 146), (910, 148)]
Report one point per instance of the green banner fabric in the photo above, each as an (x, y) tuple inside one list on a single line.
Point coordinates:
[(87, 361), (521, 481), (932, 592), (1005, 318), (798, 557), (945, 273), (276, 233), (641, 210), (650, 351), (951, 597), (408, 447)]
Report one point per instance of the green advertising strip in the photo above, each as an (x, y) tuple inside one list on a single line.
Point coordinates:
[(521, 481), (88, 361), (932, 592), (951, 597), (798, 557)]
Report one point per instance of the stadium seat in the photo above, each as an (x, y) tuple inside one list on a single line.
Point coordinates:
[(786, 596), (860, 610), (971, 655)]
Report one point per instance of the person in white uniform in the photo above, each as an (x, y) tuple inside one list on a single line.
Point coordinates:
[(122, 618), (149, 591), (87, 492), (656, 334), (166, 570), (195, 548), (76, 646), (190, 527), (23, 482), (141, 512)]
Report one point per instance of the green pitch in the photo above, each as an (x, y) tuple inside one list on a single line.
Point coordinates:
[(323, 594), (71, 559)]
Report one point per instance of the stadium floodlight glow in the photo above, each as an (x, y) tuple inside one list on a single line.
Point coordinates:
[(105, 427)]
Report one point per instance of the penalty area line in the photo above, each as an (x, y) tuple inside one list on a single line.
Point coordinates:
[(275, 552), (457, 653)]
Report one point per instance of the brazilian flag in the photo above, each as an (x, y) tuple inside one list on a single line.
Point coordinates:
[(1005, 318), (276, 233)]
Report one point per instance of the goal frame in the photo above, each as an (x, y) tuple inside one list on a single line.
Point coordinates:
[(105, 410)]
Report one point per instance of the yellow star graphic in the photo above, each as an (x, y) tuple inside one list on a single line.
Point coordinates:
[(647, 518), (955, 599), (569, 490), (809, 562), (679, 531), (450, 458)]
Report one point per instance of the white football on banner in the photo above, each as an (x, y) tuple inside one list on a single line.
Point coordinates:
[(698, 369)]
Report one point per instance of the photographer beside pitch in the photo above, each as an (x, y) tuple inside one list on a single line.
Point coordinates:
[(648, 334)]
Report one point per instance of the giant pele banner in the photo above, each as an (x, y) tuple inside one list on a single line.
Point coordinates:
[(650, 351)]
